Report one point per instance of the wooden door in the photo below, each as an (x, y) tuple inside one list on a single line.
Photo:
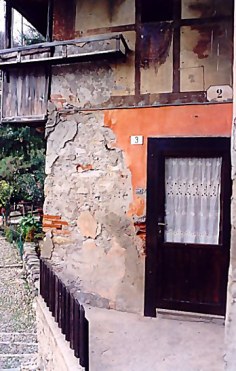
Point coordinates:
[(187, 265), (25, 94)]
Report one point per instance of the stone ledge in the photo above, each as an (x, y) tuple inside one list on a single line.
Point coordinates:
[(31, 266), (54, 351)]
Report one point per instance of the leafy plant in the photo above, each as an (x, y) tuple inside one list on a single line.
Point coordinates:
[(6, 191), (9, 234), (13, 236), (28, 227), (22, 162), (32, 36)]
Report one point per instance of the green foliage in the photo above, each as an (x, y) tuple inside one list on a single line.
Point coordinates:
[(5, 193), (22, 161), (28, 227), (32, 36), (13, 236), (28, 188), (8, 232)]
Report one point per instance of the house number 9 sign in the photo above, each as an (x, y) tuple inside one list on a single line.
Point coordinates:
[(219, 93)]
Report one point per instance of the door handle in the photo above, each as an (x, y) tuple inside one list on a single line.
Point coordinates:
[(160, 224)]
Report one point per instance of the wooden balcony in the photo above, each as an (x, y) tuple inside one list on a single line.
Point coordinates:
[(69, 51), (26, 72)]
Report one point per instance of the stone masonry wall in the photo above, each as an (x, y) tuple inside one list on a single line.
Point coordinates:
[(230, 323), (88, 184), (54, 352), (230, 327)]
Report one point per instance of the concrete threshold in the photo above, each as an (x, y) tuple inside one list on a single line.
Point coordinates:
[(190, 316), (129, 342)]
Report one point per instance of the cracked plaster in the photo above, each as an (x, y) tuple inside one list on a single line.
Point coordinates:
[(101, 257), (230, 327)]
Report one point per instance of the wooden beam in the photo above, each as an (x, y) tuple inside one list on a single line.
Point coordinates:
[(8, 25), (176, 46), (52, 44), (14, 56), (83, 57), (49, 20), (23, 119)]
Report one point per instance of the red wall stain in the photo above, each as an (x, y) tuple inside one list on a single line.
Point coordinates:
[(137, 207), (64, 20), (176, 121)]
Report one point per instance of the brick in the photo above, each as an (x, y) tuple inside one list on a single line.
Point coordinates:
[(48, 216)]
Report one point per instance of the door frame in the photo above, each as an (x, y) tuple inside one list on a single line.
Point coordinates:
[(158, 148)]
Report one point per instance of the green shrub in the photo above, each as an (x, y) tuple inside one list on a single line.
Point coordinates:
[(29, 227), (9, 234)]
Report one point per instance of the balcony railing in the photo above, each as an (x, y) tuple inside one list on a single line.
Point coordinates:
[(66, 51), (27, 72), (67, 312)]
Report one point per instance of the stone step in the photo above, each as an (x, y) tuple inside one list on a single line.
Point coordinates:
[(18, 362), (18, 337), (17, 348)]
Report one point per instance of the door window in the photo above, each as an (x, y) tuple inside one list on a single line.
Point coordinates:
[(192, 200)]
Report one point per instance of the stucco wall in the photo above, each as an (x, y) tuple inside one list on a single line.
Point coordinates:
[(205, 48), (103, 13), (89, 184), (230, 324), (96, 182)]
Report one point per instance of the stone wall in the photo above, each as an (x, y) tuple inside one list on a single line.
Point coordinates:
[(230, 324), (53, 351), (89, 185), (31, 266)]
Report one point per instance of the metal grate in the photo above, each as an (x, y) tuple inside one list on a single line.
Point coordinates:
[(67, 311)]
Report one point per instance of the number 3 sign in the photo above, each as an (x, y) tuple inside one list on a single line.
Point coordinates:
[(219, 93), (136, 139)]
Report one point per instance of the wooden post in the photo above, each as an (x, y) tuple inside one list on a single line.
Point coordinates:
[(8, 25), (77, 328), (49, 20), (67, 310), (84, 340)]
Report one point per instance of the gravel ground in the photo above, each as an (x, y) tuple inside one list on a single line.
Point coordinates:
[(17, 316)]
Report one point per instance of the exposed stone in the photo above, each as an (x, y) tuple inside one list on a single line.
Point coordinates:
[(31, 266), (80, 167), (230, 327), (79, 80), (47, 246), (57, 140), (88, 225), (54, 351), (89, 244), (95, 254), (60, 240)]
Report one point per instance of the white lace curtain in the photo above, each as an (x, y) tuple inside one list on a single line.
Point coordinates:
[(192, 191)]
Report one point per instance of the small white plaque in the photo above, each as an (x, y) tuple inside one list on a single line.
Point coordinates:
[(136, 139), (219, 93)]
